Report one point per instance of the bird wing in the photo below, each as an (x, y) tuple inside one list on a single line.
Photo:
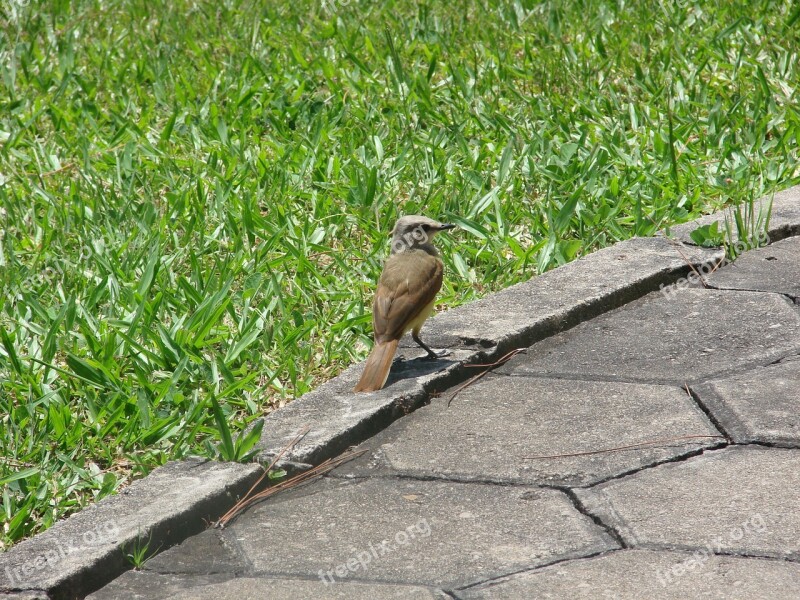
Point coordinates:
[(409, 283)]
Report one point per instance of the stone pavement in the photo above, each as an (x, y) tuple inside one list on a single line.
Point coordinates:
[(652, 451)]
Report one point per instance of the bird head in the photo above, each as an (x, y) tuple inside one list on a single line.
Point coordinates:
[(415, 231)]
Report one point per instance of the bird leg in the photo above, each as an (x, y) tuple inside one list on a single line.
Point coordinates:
[(431, 353)]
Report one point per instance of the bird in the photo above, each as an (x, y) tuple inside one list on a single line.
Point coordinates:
[(411, 278)]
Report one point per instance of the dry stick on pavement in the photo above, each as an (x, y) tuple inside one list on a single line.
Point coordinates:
[(472, 380), (628, 447), (295, 481), (678, 245), (300, 435)]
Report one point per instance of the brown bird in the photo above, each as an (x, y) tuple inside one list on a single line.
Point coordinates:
[(411, 278)]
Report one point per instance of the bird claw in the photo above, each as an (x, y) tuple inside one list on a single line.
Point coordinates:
[(437, 354)]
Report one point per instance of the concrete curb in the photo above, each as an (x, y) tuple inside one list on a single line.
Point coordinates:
[(87, 550)]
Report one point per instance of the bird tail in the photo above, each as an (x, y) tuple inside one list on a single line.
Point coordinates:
[(377, 368)]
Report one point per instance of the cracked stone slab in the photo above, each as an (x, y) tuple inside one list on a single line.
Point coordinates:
[(655, 575), (491, 428), (339, 417), (683, 335), (775, 268), (431, 533), (151, 586), (741, 500), (86, 550), (532, 310), (762, 405), (784, 221)]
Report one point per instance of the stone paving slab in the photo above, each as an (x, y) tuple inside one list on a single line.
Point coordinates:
[(430, 533), (684, 336), (775, 268), (144, 585), (338, 417), (527, 312), (784, 221), (85, 550), (151, 586), (655, 575), (492, 426), (477, 332), (740, 500), (207, 553), (762, 405)]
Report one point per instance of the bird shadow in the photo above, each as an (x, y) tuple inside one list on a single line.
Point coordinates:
[(416, 367)]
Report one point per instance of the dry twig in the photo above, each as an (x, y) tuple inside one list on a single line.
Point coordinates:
[(678, 245), (497, 363), (250, 498), (300, 435)]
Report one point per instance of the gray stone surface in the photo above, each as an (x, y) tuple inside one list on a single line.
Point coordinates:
[(145, 585), (293, 590), (422, 532), (207, 553), (775, 268), (762, 405), (684, 336), (482, 330), (29, 595), (656, 575), (339, 418), (741, 500), (84, 551), (784, 221), (150, 586), (492, 426), (578, 291)]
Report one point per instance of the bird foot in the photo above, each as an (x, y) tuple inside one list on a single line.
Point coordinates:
[(433, 355)]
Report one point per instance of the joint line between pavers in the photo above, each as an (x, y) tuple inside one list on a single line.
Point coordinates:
[(593, 378), (792, 300), (532, 569), (688, 549), (596, 519), (777, 444), (738, 369), (672, 459), (695, 396), (406, 476)]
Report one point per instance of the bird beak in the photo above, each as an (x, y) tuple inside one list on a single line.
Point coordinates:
[(443, 226)]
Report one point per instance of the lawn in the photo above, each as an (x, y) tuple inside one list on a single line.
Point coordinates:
[(196, 196)]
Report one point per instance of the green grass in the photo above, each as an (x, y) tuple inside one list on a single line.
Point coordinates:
[(196, 196)]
